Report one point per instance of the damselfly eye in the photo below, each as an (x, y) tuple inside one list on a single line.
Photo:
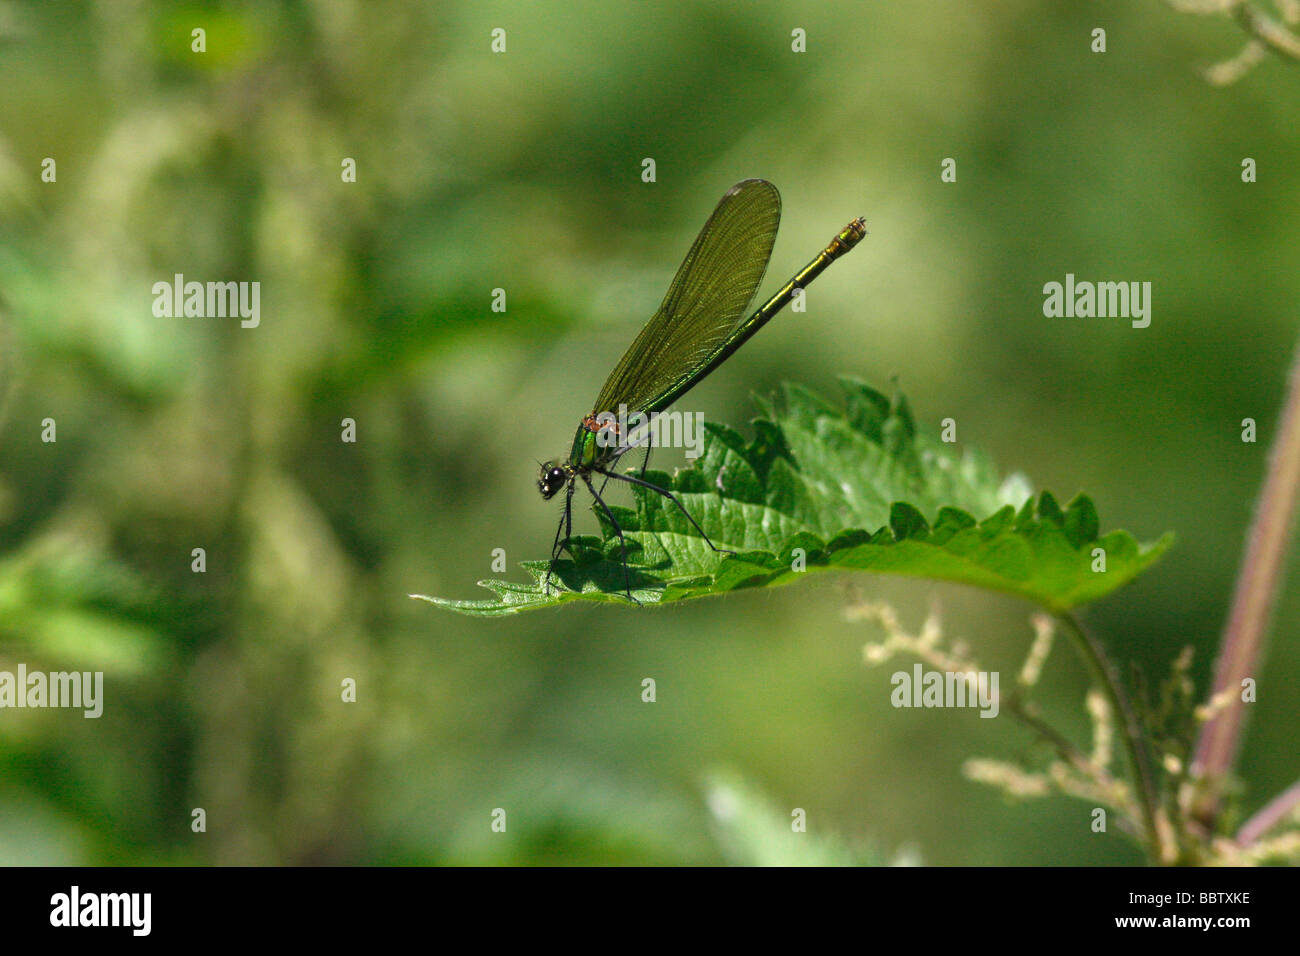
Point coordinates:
[(555, 476)]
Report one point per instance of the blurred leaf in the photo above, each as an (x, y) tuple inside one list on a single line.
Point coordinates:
[(857, 488), (751, 831), (71, 605), (559, 811)]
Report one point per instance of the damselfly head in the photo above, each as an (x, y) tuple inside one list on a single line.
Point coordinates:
[(551, 479)]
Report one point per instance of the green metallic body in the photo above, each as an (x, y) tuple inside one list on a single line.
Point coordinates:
[(697, 328), (584, 454)]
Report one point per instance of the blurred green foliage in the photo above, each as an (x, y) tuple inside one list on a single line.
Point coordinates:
[(521, 171)]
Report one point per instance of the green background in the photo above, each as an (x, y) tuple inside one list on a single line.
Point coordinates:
[(522, 171)]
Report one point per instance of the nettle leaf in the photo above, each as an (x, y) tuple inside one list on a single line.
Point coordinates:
[(822, 488)]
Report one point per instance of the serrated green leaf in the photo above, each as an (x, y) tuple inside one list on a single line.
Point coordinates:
[(825, 488)]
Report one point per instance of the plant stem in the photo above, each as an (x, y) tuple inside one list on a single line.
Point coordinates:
[(1064, 748), (1277, 810), (1252, 606), (1268, 31), (1104, 673)]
